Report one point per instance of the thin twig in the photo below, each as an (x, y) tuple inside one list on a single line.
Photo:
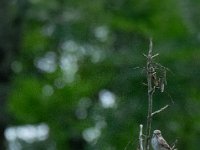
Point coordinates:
[(151, 89), (154, 55), (145, 55), (174, 145), (127, 145), (140, 137), (160, 110), (150, 47)]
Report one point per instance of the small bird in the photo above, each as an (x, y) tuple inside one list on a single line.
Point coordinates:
[(158, 142)]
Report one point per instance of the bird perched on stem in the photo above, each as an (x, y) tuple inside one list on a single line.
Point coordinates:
[(158, 142)]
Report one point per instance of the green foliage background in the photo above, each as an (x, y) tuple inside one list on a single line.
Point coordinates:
[(89, 46)]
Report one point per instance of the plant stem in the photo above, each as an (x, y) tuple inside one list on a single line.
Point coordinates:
[(140, 137), (150, 71)]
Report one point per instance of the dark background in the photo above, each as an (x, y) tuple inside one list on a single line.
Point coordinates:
[(71, 65)]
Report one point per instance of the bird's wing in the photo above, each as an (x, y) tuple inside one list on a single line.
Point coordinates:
[(163, 143)]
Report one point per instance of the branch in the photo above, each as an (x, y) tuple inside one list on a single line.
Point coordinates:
[(150, 47), (140, 137), (151, 89), (174, 145), (160, 110), (154, 55)]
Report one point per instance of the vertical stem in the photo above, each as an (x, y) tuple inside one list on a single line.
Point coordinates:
[(140, 137), (150, 71)]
